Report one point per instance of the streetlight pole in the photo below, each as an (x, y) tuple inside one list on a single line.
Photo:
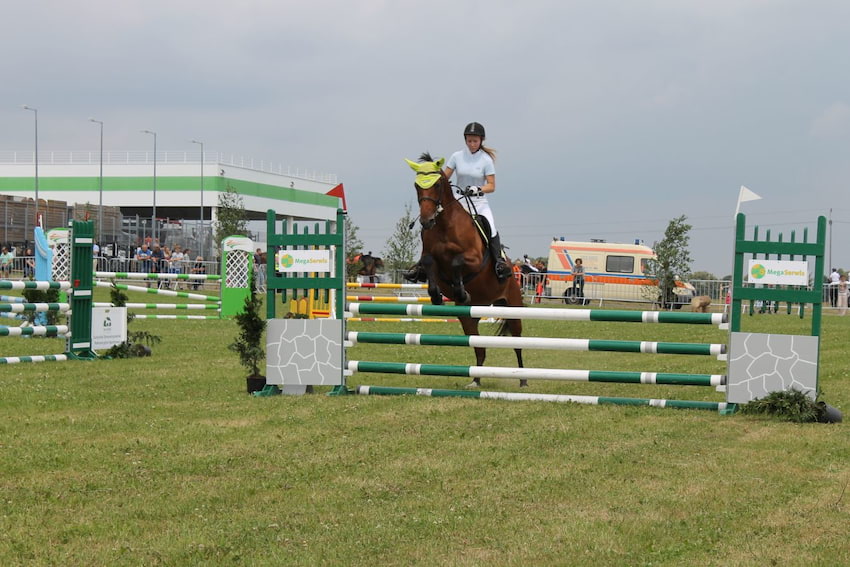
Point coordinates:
[(153, 215), (100, 184), (35, 156), (202, 193)]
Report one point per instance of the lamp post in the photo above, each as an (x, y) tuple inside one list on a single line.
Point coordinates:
[(153, 215), (35, 156), (202, 194), (100, 184)]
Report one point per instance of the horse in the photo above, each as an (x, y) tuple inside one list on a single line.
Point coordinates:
[(455, 255), (370, 267)]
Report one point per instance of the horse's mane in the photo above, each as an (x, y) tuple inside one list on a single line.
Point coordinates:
[(426, 156)]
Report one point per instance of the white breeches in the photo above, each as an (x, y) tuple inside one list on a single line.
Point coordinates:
[(482, 207)]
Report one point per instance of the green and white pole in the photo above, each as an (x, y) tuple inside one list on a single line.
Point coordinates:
[(481, 341), (542, 313), (38, 358), (503, 372), (721, 407)]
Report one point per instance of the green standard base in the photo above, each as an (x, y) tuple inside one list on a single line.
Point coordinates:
[(82, 355), (268, 390), (340, 391)]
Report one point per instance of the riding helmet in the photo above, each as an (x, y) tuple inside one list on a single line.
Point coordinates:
[(474, 129)]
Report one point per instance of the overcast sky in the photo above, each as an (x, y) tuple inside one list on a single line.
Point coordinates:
[(609, 117)]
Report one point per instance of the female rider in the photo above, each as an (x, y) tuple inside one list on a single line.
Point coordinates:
[(476, 175)]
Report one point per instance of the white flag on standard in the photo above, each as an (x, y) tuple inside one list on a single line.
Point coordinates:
[(745, 195)]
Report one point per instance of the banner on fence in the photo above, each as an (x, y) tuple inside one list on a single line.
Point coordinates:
[(778, 272), (304, 261)]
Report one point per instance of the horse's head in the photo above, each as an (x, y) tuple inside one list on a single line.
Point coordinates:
[(432, 188)]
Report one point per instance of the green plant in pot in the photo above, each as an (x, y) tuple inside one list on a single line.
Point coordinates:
[(249, 343)]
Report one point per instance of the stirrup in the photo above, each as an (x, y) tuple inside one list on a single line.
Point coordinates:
[(416, 274), (503, 271)]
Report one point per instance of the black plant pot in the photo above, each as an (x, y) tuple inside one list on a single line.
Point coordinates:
[(830, 414), (255, 383)]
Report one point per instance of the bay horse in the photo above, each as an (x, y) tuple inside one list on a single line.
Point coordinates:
[(370, 267), (456, 257)]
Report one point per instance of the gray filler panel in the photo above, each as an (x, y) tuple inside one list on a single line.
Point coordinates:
[(305, 352), (764, 363)]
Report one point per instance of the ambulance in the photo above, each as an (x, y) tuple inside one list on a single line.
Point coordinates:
[(611, 272)]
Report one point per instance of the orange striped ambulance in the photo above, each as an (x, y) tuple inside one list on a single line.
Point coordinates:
[(611, 272)]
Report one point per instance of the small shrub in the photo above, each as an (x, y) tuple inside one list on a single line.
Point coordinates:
[(790, 405)]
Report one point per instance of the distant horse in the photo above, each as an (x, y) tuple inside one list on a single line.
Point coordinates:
[(455, 255), (370, 267)]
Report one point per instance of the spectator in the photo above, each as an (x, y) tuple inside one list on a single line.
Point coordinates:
[(578, 279), (842, 294), (6, 259), (259, 269), (198, 268), (834, 277), (517, 271), (143, 257), (157, 259), (29, 264)]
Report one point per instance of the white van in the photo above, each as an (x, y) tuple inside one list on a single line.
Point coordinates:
[(611, 271)]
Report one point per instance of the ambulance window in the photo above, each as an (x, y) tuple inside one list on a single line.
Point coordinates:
[(644, 262), (620, 264)]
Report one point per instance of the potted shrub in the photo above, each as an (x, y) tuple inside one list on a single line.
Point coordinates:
[(249, 343)]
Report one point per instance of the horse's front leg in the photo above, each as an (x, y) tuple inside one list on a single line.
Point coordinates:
[(459, 293), (430, 267)]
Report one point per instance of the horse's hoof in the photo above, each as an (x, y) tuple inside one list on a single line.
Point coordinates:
[(473, 384), (523, 383)]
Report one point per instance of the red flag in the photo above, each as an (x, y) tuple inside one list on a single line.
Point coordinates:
[(339, 191)]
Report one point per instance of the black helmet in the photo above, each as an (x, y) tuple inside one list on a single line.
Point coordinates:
[(474, 129)]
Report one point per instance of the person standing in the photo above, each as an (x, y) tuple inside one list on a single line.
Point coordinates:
[(842, 295), (578, 279), (475, 170), (834, 277), (29, 264), (6, 259)]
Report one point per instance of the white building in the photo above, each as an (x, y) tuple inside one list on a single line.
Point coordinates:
[(176, 184)]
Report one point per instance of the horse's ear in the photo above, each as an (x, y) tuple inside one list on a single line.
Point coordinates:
[(413, 165), (439, 163)]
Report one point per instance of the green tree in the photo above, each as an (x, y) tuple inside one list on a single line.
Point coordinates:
[(402, 248), (231, 217), (353, 248), (672, 260), (249, 344)]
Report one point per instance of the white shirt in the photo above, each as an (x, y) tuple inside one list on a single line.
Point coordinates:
[(471, 170), (834, 277)]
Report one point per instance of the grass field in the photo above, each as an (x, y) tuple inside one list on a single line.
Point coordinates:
[(166, 461)]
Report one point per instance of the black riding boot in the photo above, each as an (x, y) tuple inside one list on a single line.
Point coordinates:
[(503, 271), (416, 273)]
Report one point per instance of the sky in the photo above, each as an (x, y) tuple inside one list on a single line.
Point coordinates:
[(609, 118)]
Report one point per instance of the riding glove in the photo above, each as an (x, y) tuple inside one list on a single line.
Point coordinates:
[(473, 191)]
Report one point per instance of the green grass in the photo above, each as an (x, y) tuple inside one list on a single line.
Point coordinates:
[(166, 461)]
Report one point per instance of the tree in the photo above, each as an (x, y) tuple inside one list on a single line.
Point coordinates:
[(231, 216), (672, 260), (353, 249), (402, 248)]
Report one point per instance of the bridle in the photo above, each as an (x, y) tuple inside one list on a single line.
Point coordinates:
[(438, 203)]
